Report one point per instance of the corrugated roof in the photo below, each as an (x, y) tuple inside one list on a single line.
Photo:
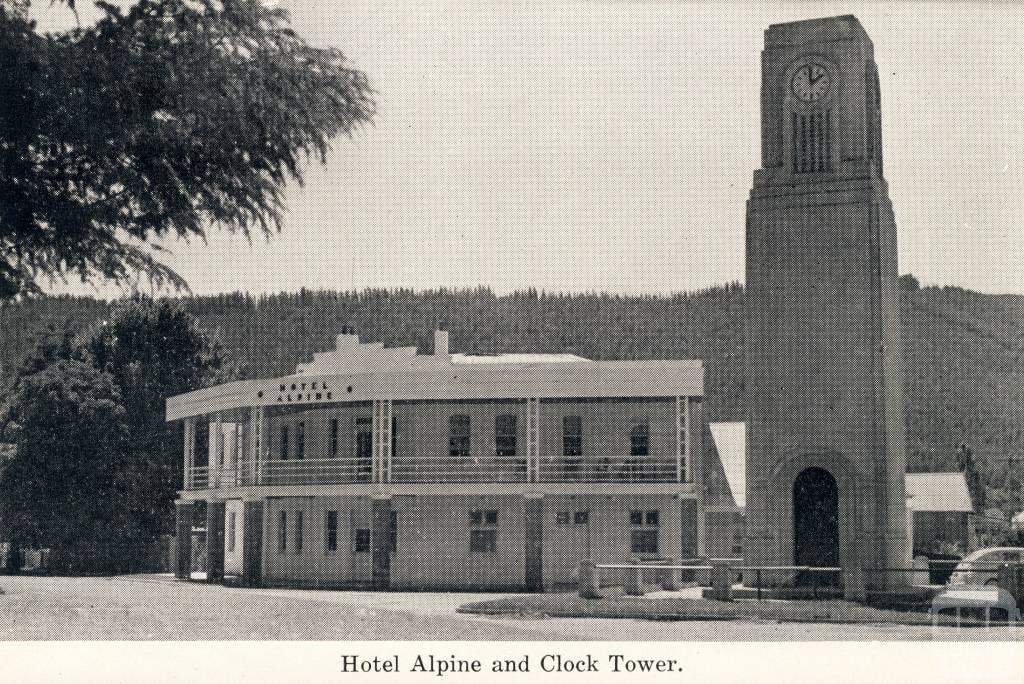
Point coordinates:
[(938, 492), (731, 443)]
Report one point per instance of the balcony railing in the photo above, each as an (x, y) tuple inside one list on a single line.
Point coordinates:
[(608, 469), (459, 469), (433, 469)]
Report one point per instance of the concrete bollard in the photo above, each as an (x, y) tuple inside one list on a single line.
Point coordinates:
[(721, 581), (853, 584), (670, 580), (590, 585), (634, 585), (920, 574)]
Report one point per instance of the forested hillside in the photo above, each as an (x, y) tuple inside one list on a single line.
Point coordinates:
[(965, 380)]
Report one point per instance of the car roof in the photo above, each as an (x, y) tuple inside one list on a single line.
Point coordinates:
[(974, 555)]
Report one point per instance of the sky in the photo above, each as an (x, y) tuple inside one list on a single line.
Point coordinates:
[(610, 146)]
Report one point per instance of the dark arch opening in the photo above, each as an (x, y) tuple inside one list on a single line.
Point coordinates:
[(816, 523)]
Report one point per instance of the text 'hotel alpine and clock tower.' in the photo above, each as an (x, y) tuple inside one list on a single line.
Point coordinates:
[(825, 443)]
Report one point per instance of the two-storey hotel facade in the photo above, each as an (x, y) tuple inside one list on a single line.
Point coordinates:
[(385, 468)]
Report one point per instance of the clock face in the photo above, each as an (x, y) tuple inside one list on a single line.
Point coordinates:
[(810, 82)]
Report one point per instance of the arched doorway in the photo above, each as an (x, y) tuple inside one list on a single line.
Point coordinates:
[(816, 522)]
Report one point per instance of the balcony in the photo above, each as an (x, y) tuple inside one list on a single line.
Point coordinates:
[(616, 469)]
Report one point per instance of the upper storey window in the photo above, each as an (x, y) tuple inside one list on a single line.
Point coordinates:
[(458, 440), (364, 448), (572, 436), (505, 435), (639, 439)]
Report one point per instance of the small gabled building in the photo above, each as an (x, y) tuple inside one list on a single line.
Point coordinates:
[(942, 512)]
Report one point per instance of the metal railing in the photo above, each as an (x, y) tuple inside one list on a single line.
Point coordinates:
[(300, 471), (315, 471), (433, 469), (608, 469), (806, 575), (459, 469), (590, 574), (796, 577)]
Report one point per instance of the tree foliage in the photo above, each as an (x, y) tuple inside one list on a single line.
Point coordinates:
[(153, 350), (159, 121), (61, 488), (94, 466)]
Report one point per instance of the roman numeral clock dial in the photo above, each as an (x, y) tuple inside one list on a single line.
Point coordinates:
[(810, 82)]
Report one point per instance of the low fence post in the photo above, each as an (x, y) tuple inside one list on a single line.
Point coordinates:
[(721, 581), (634, 582), (853, 584), (590, 585), (671, 580)]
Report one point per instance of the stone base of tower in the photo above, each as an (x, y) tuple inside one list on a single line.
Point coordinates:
[(874, 561)]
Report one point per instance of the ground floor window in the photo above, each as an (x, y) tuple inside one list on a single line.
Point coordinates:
[(331, 532), (478, 517), (298, 531), (361, 541), (576, 518), (643, 536), (282, 532), (644, 541), (394, 532), (483, 541)]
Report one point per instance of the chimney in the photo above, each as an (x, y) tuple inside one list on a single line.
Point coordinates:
[(348, 338), (440, 343)]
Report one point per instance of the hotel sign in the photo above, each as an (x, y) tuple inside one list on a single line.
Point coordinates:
[(290, 393)]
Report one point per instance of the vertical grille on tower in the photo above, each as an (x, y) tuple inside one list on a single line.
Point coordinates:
[(812, 142)]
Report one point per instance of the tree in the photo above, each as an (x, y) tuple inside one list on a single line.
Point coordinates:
[(160, 121), (60, 488), (153, 350), (909, 282), (86, 422)]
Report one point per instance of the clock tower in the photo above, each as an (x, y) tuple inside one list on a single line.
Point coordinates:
[(825, 424)]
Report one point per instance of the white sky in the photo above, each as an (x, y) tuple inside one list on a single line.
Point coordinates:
[(581, 145)]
